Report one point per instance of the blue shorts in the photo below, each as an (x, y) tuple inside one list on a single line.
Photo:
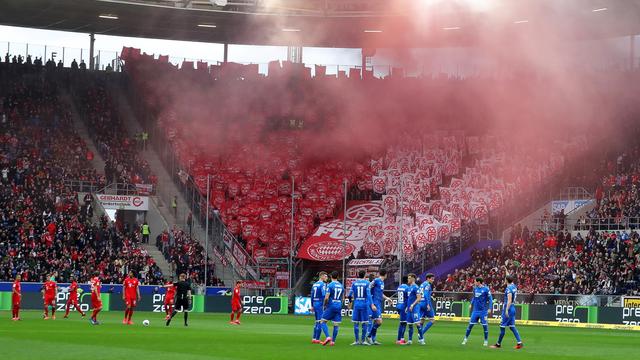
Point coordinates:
[(333, 314), (413, 317), (427, 314), (378, 313), (478, 317), (403, 314), (508, 318), (360, 315), (318, 309)]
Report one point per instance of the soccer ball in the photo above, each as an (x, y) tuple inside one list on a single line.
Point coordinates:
[(145, 322)]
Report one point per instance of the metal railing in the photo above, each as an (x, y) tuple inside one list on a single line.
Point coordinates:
[(442, 251), (66, 54), (101, 188), (574, 193), (587, 223)]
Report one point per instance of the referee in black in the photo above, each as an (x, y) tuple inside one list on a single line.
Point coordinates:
[(183, 298)]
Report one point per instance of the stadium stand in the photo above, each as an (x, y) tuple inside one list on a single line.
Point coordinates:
[(252, 193), (44, 228)]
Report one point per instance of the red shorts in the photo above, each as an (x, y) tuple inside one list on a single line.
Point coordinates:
[(15, 301), (236, 307), (131, 302), (168, 300), (49, 300), (96, 303)]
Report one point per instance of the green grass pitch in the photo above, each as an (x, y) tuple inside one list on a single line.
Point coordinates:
[(283, 337)]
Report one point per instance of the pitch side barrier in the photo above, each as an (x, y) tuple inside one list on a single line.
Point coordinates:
[(580, 311), (214, 299)]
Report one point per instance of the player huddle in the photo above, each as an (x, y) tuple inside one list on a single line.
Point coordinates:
[(178, 296), (414, 305)]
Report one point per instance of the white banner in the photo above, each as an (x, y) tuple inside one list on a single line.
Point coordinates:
[(365, 262), (123, 202)]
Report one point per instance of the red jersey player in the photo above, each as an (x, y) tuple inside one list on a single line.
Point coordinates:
[(73, 298), (169, 298), (96, 301), (50, 291), (16, 297), (131, 296), (236, 304)]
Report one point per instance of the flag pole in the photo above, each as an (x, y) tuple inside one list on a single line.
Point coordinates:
[(401, 250), (344, 236), (206, 234), (293, 189)]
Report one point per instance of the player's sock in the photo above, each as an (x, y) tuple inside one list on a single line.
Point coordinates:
[(53, 311), (516, 334), (66, 313), (466, 335), (130, 314), (501, 336), (410, 332), (173, 314), (426, 327), (401, 329), (325, 329), (365, 326), (186, 317), (335, 332), (485, 327), (419, 327), (231, 316), (238, 315), (46, 311), (374, 330), (317, 330), (126, 313), (356, 330)]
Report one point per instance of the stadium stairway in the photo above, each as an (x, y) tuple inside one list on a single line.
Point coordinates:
[(166, 188), (81, 127), (156, 222), (163, 264)]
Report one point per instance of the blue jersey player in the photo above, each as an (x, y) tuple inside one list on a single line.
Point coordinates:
[(360, 301), (509, 314), (332, 309), (318, 292), (401, 306), (413, 309), (481, 306), (378, 296), (427, 311)]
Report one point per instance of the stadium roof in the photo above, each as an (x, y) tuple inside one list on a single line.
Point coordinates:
[(329, 23)]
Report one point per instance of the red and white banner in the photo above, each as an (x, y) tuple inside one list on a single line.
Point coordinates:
[(123, 202), (253, 284), (144, 189), (326, 243)]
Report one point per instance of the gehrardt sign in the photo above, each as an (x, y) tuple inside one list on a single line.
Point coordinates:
[(124, 202)]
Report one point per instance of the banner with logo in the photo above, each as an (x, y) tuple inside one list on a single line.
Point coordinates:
[(123, 202), (567, 205), (302, 305), (253, 284), (277, 305), (326, 243), (33, 301), (144, 189)]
